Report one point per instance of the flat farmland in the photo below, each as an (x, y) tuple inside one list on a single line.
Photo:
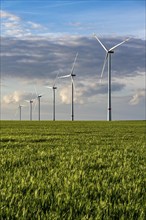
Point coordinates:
[(77, 170)]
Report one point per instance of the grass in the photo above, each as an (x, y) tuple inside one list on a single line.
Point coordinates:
[(73, 170)]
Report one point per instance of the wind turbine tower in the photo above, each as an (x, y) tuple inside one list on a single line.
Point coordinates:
[(20, 107), (72, 106), (71, 75), (39, 107), (108, 54), (54, 89), (30, 108), (38, 97), (31, 102)]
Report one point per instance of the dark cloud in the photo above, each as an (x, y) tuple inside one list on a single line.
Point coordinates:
[(40, 58), (95, 89)]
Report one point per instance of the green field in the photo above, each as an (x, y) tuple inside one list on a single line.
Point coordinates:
[(73, 170)]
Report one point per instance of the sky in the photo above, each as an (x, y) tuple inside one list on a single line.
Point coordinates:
[(39, 39)]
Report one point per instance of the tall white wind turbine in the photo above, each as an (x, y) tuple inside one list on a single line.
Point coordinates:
[(54, 89), (30, 107), (108, 57), (39, 106), (38, 97), (20, 108), (71, 75)]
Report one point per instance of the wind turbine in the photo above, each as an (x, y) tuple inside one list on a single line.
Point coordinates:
[(71, 75), (20, 107), (54, 88), (39, 106), (18, 110), (38, 97), (108, 57), (30, 107)]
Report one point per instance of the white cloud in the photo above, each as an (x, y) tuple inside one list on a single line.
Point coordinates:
[(75, 24), (137, 97), (9, 16), (15, 97), (81, 91), (10, 25), (82, 26), (27, 61), (18, 96), (15, 32), (34, 25), (65, 95), (14, 26)]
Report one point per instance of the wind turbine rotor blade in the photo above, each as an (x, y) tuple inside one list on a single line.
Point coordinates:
[(66, 76), (32, 95), (16, 113), (40, 95), (55, 79), (73, 66), (100, 42), (35, 103), (35, 91), (27, 100), (49, 87), (106, 56), (119, 44)]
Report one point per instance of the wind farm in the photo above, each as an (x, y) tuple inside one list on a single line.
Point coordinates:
[(72, 168), (73, 110), (72, 75), (34, 48)]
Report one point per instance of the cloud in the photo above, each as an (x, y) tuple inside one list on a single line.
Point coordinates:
[(9, 16), (10, 25), (17, 97), (34, 25), (85, 90), (39, 58), (14, 26), (75, 24), (137, 97), (65, 95), (12, 98), (78, 26), (66, 92)]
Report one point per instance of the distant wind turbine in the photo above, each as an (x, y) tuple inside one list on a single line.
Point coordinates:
[(20, 107), (108, 57), (38, 96), (53, 88), (30, 107), (71, 75), (39, 107)]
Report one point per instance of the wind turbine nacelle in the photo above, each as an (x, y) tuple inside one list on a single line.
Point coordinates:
[(31, 101), (111, 51), (54, 87), (73, 75)]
